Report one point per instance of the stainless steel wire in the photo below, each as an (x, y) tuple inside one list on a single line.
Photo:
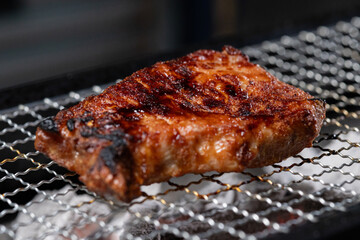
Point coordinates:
[(249, 205)]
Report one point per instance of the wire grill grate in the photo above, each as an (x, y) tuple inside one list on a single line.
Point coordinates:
[(50, 202)]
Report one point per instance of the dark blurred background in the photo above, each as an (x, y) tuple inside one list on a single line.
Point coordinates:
[(44, 38)]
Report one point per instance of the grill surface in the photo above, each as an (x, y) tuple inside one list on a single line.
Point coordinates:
[(253, 204)]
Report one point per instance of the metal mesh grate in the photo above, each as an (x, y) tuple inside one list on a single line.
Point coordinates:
[(41, 200)]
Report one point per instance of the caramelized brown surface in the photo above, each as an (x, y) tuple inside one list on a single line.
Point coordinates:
[(207, 111)]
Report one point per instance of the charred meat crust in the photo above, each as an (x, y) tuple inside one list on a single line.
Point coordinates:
[(70, 124), (48, 124), (206, 111)]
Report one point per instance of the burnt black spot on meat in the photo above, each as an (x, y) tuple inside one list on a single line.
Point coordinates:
[(70, 124), (107, 155), (230, 89), (234, 92), (48, 124), (87, 132), (117, 152), (86, 119)]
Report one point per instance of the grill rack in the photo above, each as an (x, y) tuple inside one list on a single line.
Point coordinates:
[(251, 205)]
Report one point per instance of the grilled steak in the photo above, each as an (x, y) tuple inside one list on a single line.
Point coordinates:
[(206, 111)]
